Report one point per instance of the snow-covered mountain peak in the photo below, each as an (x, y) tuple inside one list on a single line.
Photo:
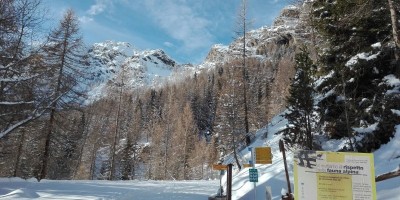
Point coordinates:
[(160, 55), (113, 63), (111, 47)]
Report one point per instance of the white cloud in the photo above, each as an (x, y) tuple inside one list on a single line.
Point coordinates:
[(168, 44), (85, 19), (97, 8), (181, 22), (100, 7)]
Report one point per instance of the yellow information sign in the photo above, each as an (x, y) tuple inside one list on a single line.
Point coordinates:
[(220, 167), (263, 155), (334, 175)]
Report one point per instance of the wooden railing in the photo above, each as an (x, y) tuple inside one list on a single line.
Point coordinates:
[(388, 175)]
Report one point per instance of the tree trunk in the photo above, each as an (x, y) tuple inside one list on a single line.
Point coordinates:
[(113, 150), (185, 156), (236, 158), (346, 102), (395, 29), (309, 133), (19, 152), (46, 154), (84, 132), (246, 107), (246, 119), (93, 159), (166, 140), (235, 153), (127, 167)]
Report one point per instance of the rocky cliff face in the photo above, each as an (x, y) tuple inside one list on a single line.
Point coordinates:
[(275, 45)]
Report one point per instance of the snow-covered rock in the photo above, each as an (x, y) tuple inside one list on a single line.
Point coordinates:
[(119, 64)]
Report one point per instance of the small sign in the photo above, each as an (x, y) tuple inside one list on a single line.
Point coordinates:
[(263, 155), (220, 167), (246, 165), (253, 175)]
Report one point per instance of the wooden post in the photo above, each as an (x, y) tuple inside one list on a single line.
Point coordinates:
[(229, 182), (282, 149)]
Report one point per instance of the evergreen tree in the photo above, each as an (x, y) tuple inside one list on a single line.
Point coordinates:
[(242, 27), (131, 130), (63, 56), (354, 66), (300, 104), (229, 123)]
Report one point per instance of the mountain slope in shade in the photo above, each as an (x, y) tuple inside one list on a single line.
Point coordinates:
[(273, 47)]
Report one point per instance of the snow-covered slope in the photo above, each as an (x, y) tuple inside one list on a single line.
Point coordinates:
[(386, 159), (116, 64)]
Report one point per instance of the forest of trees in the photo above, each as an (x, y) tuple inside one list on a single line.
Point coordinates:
[(179, 130), (358, 54), (174, 132)]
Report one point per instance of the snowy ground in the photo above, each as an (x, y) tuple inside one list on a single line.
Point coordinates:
[(387, 159), (16, 188)]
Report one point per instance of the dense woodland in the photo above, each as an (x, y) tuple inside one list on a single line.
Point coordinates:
[(347, 89), (178, 130)]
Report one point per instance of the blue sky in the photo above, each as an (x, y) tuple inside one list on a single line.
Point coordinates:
[(185, 29)]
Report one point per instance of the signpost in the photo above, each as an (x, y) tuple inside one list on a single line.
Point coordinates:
[(282, 149), (251, 171), (260, 155), (263, 155), (253, 175), (220, 167)]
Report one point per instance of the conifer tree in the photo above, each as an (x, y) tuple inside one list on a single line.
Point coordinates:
[(229, 123), (131, 130), (357, 60), (63, 56), (300, 104), (243, 24)]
